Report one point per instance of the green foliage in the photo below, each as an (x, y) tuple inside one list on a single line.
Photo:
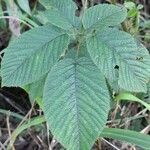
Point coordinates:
[(101, 16), (132, 137), (133, 17), (31, 56), (56, 18), (78, 54), (129, 97), (139, 139), (66, 8), (24, 4), (81, 102), (110, 48), (35, 90)]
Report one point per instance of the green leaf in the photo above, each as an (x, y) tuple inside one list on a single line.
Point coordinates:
[(76, 102), (55, 17), (112, 48), (130, 5), (139, 139), (67, 9), (129, 97), (45, 3), (24, 5), (32, 55), (103, 15), (35, 89)]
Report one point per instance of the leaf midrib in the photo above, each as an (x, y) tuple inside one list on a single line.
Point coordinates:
[(98, 22), (76, 104)]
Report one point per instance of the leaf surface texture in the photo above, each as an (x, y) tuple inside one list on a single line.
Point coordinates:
[(111, 48), (32, 55), (76, 102)]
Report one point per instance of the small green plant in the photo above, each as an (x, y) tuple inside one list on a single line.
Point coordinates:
[(75, 61)]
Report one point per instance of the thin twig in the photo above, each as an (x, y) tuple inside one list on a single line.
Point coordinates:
[(15, 18), (35, 139), (110, 144), (48, 141), (41, 141), (23, 120), (137, 116), (53, 143), (146, 129), (2, 147), (12, 103), (115, 112), (27, 115), (85, 4), (127, 119), (8, 127)]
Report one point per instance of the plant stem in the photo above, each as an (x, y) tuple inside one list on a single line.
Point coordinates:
[(85, 4), (26, 125)]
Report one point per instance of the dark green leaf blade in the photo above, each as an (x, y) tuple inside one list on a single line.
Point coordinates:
[(55, 17), (68, 9), (24, 4), (76, 103), (35, 90), (32, 55), (112, 48), (103, 15)]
